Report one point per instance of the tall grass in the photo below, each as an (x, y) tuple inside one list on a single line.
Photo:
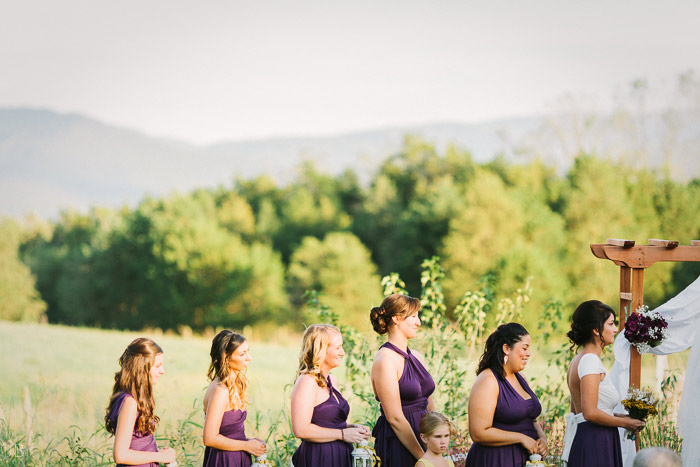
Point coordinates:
[(57, 381)]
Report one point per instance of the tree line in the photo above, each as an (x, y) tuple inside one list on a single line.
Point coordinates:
[(246, 253)]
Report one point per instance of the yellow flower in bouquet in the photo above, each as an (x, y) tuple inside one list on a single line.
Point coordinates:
[(640, 403)]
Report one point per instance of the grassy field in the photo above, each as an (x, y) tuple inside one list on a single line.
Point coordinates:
[(69, 374)]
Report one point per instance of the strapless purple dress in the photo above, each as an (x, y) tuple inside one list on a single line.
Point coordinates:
[(415, 386), (232, 426), (331, 413), (139, 442), (513, 413)]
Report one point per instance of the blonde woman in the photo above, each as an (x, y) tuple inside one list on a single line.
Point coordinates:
[(131, 414), (225, 402), (319, 411)]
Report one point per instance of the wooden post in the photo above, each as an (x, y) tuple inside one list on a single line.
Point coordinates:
[(625, 296), (637, 300)]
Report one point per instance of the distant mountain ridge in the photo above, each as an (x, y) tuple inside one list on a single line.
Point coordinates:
[(51, 161)]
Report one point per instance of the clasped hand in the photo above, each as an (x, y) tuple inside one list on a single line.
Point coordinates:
[(256, 447), (355, 433)]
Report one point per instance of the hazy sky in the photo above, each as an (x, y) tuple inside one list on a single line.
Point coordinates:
[(212, 70)]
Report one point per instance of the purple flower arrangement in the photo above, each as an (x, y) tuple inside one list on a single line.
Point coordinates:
[(645, 329)]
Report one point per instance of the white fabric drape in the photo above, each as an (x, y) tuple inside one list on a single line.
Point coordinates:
[(682, 313)]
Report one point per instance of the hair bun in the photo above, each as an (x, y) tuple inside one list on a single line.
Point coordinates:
[(376, 317)]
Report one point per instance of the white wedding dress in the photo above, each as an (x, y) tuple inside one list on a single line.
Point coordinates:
[(682, 313)]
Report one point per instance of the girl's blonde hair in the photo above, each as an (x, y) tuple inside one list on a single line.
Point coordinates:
[(431, 421), (314, 345), (134, 378), (222, 347)]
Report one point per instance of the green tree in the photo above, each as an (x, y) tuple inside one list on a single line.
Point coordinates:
[(340, 267), (19, 299), (507, 234), (409, 205)]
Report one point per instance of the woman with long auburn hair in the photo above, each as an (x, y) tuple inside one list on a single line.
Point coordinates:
[(401, 383), (130, 414), (319, 411), (225, 402)]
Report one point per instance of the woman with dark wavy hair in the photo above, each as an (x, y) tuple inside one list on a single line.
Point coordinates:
[(225, 402), (131, 414), (503, 410), (592, 436), (401, 383)]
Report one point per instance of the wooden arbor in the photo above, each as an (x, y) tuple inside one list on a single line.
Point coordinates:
[(633, 260)]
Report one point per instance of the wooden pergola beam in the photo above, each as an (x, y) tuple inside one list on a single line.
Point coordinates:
[(644, 256), (633, 260), (663, 243)]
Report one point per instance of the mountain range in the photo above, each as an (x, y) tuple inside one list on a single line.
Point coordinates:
[(51, 161)]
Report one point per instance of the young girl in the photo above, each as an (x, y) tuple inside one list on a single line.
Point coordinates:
[(130, 414), (435, 432), (225, 404)]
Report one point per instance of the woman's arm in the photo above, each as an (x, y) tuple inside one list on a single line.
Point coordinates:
[(122, 439), (542, 447), (212, 425), (303, 403), (386, 386), (482, 406), (589, 404)]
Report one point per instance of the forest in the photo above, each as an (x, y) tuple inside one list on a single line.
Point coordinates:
[(245, 254)]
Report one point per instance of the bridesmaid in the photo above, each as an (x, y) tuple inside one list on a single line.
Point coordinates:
[(225, 403), (319, 411), (130, 414), (591, 433), (400, 381), (503, 410)]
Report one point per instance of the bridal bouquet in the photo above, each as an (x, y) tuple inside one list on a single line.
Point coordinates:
[(640, 403), (645, 329)]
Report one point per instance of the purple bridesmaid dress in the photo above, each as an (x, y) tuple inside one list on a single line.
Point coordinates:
[(513, 413), (415, 386), (595, 445), (331, 413), (232, 426), (139, 442)]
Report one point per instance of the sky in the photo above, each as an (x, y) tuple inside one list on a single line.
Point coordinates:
[(219, 70)]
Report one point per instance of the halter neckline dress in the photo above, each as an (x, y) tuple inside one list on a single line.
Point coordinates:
[(513, 413), (331, 413), (415, 386)]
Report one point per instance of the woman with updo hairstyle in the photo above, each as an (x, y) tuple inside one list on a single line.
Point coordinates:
[(130, 415), (592, 436), (503, 410), (401, 383), (319, 411), (225, 403)]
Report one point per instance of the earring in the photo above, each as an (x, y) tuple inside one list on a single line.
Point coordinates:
[(505, 360)]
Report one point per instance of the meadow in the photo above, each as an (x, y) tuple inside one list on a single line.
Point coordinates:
[(69, 372)]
